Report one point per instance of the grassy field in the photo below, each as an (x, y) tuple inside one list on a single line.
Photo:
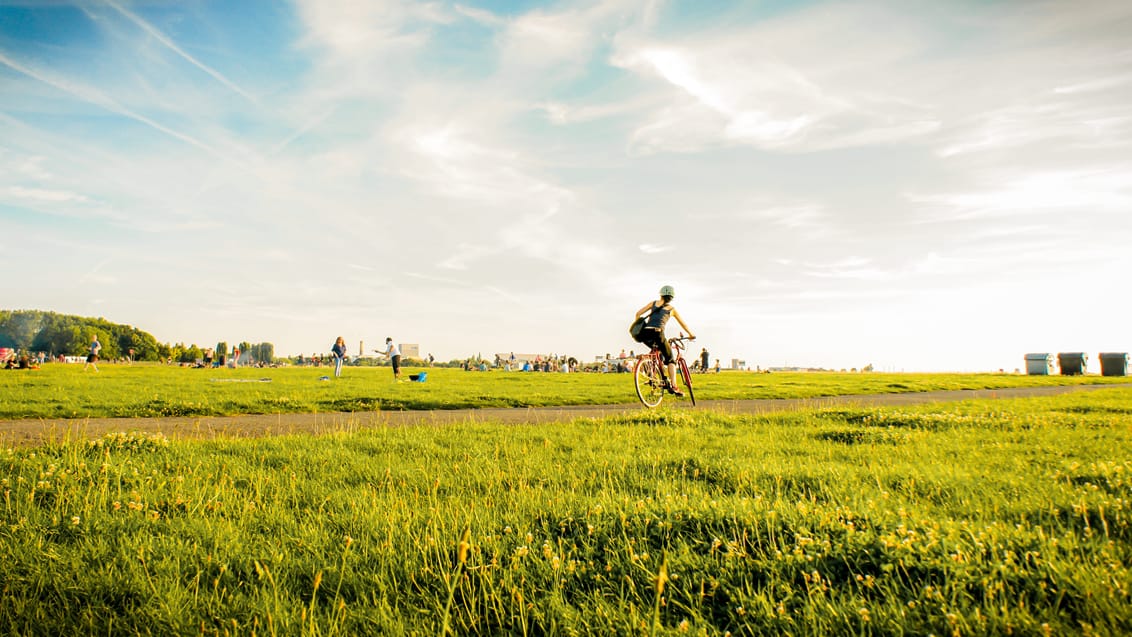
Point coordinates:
[(978, 518), (65, 391)]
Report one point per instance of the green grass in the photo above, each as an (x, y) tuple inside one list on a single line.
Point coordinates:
[(974, 518), (142, 390)]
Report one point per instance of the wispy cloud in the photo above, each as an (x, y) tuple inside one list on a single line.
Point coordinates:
[(172, 46), (94, 96), (1089, 191)]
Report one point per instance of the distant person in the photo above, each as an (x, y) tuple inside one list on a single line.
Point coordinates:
[(717, 366), (209, 353), (394, 354), (656, 315), (704, 360), (235, 357), (430, 360), (339, 351), (92, 357)]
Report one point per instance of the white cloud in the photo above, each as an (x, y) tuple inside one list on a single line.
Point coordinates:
[(763, 86), (362, 29), (1093, 191), (41, 195)]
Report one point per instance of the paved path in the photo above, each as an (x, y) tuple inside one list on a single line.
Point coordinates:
[(19, 433)]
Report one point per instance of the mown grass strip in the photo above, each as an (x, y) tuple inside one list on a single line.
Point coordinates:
[(150, 390)]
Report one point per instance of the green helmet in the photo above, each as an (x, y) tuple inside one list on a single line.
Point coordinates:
[(667, 291)]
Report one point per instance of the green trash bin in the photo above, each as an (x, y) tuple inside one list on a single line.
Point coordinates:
[(1114, 363), (1039, 364), (1072, 363)]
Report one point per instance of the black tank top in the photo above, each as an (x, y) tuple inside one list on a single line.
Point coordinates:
[(659, 317)]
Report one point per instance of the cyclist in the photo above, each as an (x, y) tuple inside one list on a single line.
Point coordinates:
[(653, 333)]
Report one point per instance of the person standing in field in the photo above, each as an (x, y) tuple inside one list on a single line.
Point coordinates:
[(339, 351), (394, 354), (92, 357), (235, 356), (704, 360), (656, 315)]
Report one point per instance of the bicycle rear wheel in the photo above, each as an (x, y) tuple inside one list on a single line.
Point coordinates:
[(646, 375), (687, 376)]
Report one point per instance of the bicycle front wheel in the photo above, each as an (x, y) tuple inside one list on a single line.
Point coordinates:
[(646, 375), (687, 375)]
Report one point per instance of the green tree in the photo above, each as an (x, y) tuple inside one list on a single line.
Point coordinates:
[(76, 343), (191, 354)]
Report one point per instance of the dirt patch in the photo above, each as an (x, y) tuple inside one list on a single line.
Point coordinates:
[(22, 433)]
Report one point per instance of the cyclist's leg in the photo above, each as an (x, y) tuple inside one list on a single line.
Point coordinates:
[(656, 343), (670, 364)]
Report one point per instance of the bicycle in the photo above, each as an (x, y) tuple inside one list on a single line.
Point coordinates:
[(648, 373)]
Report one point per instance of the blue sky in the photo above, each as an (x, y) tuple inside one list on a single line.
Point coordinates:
[(912, 185)]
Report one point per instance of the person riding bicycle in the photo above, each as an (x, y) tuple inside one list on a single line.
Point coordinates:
[(653, 332)]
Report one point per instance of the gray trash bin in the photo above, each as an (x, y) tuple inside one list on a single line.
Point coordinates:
[(1114, 363), (1072, 363), (1039, 364)]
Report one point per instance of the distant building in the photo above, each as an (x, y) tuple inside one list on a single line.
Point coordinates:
[(410, 350), (738, 364)]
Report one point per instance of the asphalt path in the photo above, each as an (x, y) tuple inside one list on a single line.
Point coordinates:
[(34, 432)]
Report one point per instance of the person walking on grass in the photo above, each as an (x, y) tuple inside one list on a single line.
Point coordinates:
[(339, 351), (394, 354), (656, 315), (92, 357)]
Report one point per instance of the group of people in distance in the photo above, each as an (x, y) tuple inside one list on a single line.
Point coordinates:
[(655, 313)]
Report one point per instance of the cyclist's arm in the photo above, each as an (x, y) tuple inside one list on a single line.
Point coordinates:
[(644, 310), (676, 315)]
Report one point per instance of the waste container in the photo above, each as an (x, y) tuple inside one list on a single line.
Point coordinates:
[(1114, 363), (1072, 363), (1039, 364)]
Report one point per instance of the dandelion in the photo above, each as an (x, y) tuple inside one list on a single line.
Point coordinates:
[(864, 613), (75, 521), (683, 626)]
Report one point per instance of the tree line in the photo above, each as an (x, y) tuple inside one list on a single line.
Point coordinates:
[(69, 335)]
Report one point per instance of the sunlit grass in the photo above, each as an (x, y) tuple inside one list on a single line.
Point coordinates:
[(986, 518), (145, 390)]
